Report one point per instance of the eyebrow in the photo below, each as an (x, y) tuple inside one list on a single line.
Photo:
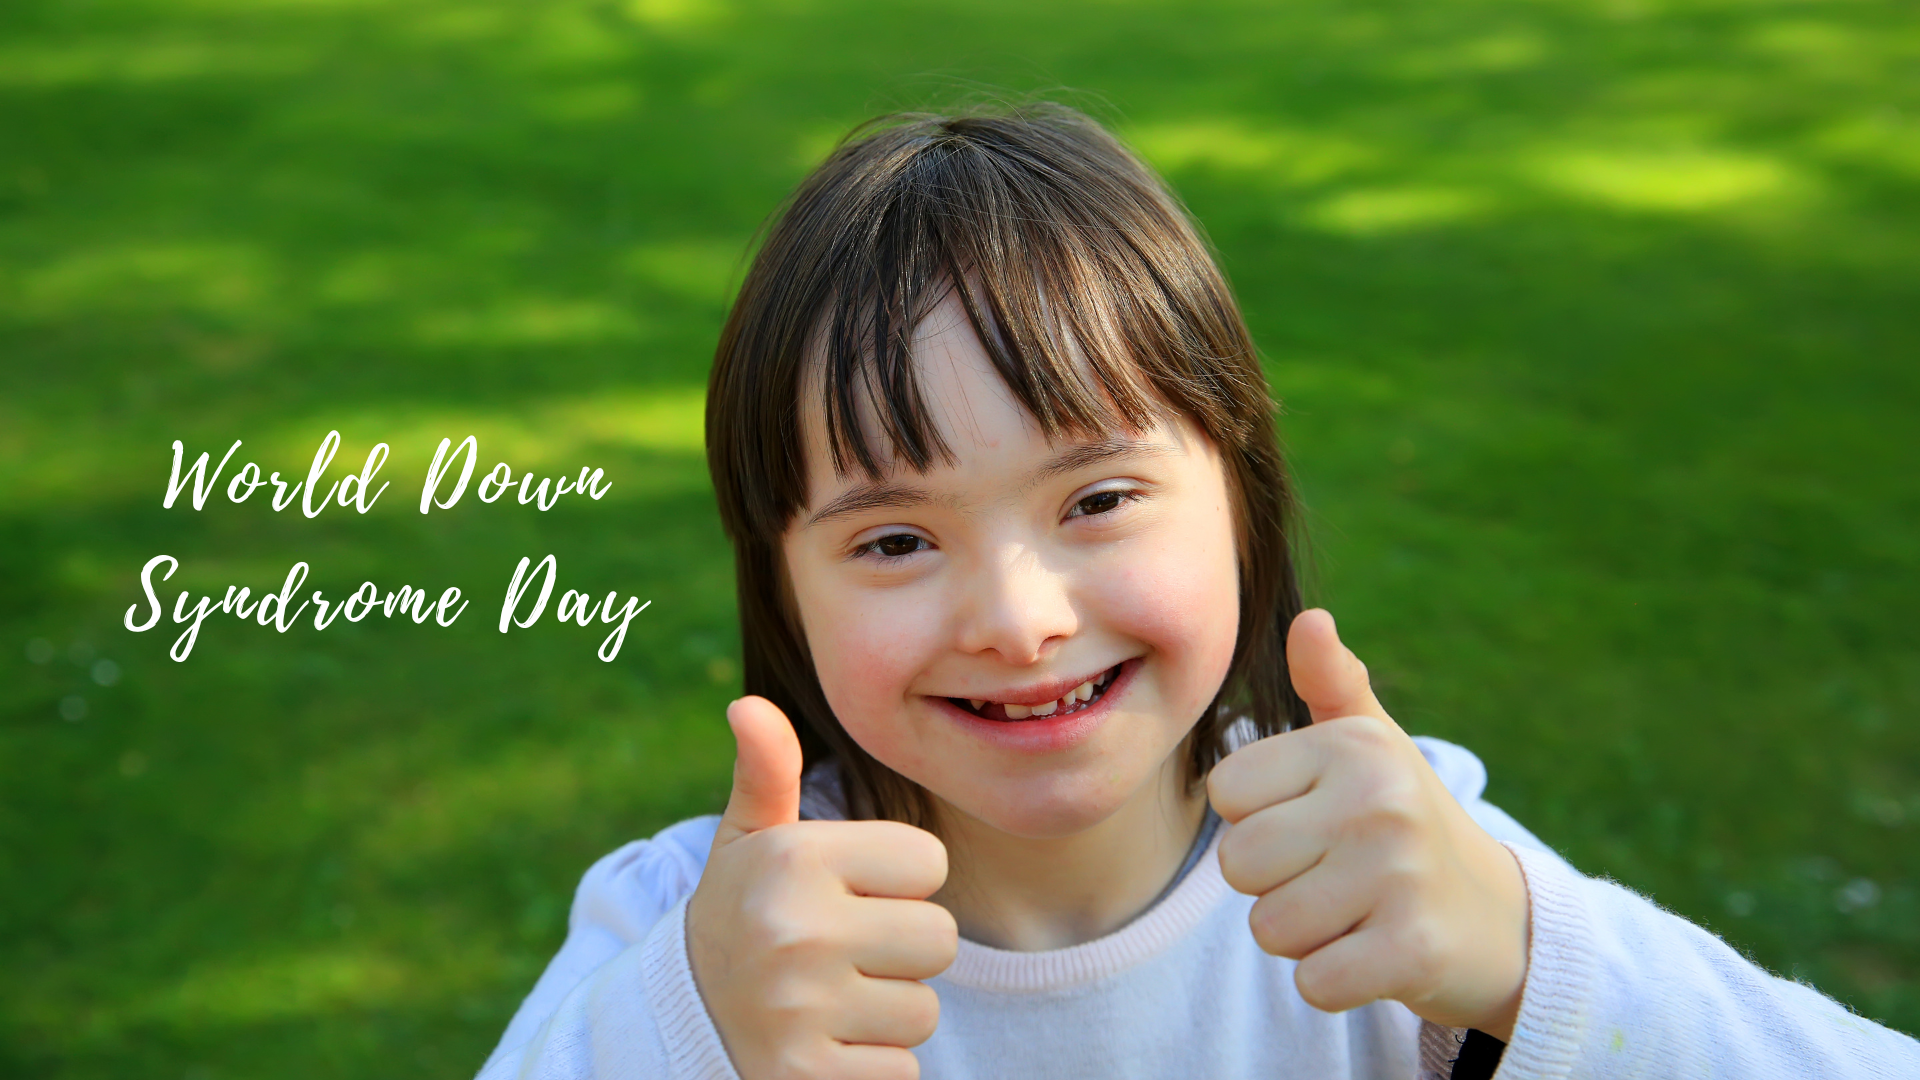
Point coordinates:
[(1083, 455), (887, 496), (871, 497)]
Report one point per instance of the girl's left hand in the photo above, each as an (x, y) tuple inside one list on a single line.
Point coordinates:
[(1369, 872)]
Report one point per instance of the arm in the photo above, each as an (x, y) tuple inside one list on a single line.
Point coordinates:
[(1617, 987), (755, 942), (638, 1015), (1604, 961), (1369, 874), (619, 990)]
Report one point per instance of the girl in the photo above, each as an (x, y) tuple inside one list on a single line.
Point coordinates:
[(1012, 537)]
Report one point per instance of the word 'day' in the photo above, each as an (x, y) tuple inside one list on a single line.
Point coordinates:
[(575, 607)]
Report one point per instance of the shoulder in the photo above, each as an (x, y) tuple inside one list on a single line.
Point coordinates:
[(1465, 777), (631, 887), (620, 901), (1459, 768), (628, 890)]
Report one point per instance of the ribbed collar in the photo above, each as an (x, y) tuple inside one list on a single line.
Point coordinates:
[(1160, 927), (983, 967)]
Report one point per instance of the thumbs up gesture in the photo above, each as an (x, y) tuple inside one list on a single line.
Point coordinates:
[(807, 938), (1368, 871)]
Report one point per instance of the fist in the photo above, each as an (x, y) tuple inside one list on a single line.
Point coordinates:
[(1368, 872), (807, 938)]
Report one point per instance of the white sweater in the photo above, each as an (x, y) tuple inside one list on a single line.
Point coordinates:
[(1615, 987)]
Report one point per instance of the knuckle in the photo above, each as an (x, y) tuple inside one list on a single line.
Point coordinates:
[(1391, 804), (1272, 926), (1394, 818), (791, 1004), (785, 847), (1367, 732), (1420, 945), (924, 844), (1317, 987), (1261, 923), (784, 1028), (1232, 784), (791, 936), (1234, 859), (917, 852), (1341, 730), (1235, 876), (900, 1066), (943, 934), (1399, 877), (799, 1002), (781, 854), (921, 1014), (929, 854), (1220, 783), (801, 1061), (773, 925)]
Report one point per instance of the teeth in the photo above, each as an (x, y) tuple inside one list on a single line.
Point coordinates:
[(1083, 692)]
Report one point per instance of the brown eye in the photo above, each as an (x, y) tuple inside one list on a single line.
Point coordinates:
[(1100, 502), (897, 545)]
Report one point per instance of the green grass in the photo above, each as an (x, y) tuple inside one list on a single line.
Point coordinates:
[(1594, 318)]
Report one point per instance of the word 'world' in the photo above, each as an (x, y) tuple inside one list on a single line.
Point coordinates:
[(356, 489)]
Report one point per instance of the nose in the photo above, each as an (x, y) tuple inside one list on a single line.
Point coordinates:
[(1013, 605)]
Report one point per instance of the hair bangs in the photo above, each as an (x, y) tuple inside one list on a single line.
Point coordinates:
[(1067, 302)]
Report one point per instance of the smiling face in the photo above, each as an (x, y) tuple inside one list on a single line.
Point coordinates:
[(1030, 631)]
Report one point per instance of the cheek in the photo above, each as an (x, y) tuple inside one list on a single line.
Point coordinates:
[(866, 654), (1181, 596)]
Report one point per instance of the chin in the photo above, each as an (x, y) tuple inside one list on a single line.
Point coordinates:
[(1039, 808)]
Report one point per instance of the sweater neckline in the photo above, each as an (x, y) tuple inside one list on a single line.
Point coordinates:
[(1172, 917)]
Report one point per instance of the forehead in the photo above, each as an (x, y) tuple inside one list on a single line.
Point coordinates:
[(997, 448), (962, 397)]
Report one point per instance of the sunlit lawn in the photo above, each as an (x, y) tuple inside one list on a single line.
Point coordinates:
[(1595, 322)]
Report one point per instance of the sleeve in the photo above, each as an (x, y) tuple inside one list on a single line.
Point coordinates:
[(1466, 778), (619, 998), (1618, 987)]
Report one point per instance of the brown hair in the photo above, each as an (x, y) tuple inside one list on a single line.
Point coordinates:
[(1097, 301)]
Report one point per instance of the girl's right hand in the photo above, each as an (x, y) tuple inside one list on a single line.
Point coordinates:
[(808, 938)]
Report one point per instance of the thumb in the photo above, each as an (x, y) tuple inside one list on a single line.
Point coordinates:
[(1326, 674), (766, 770)]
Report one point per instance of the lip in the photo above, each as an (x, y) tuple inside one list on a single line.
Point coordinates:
[(1039, 693), (1044, 734)]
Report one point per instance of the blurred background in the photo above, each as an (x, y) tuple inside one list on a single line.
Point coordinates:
[(1595, 321)]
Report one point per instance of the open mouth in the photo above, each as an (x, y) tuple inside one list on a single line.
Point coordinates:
[(1079, 698)]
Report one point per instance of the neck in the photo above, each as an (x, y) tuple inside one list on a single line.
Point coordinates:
[(1027, 895)]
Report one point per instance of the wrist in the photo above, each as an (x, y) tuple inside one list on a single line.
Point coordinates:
[(1500, 1023), (1512, 939)]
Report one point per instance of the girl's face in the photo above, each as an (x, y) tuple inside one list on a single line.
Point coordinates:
[(1030, 632)]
